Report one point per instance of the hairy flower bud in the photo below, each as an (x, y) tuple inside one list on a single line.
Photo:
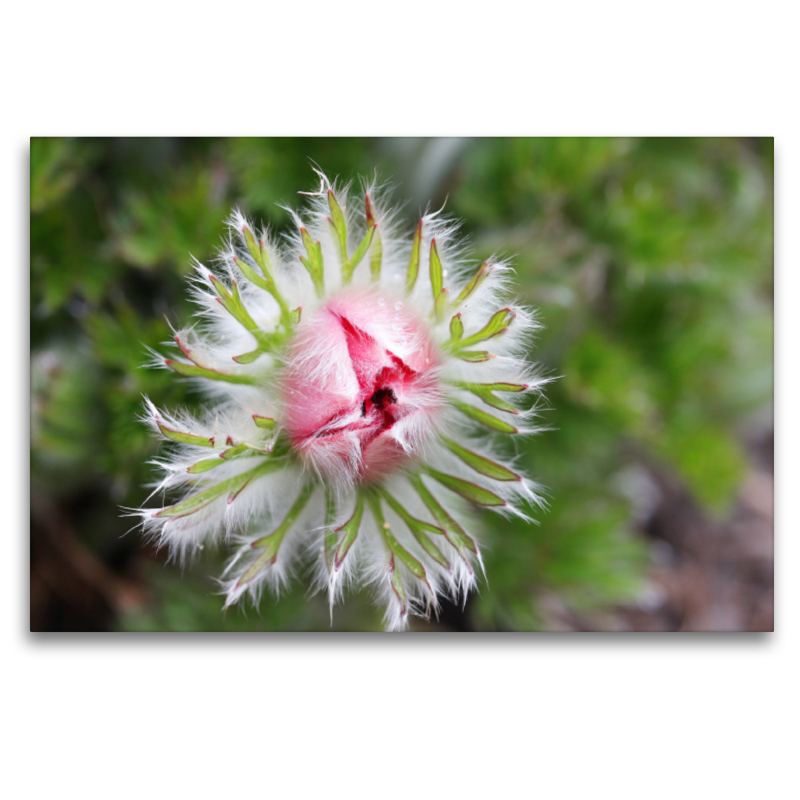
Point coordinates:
[(361, 392), (353, 406)]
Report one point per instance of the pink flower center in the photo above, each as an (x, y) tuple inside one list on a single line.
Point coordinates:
[(360, 390)]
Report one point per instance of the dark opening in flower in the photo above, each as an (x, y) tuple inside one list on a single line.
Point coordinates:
[(361, 390)]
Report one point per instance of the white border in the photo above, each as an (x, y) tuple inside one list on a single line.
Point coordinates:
[(547, 716)]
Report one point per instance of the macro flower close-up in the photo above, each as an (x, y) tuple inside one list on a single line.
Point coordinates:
[(364, 387), (438, 384)]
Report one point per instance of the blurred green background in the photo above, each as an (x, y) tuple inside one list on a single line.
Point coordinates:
[(651, 264)]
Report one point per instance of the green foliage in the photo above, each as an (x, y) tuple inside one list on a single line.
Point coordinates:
[(650, 262)]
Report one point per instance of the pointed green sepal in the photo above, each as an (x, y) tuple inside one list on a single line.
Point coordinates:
[(253, 248), (313, 262), (350, 528), (456, 328), (453, 532), (220, 288), (338, 225), (413, 264), (420, 530), (437, 273), (237, 490), (253, 276), (235, 451), (486, 393), (330, 536), (204, 466), (474, 356), (441, 305), (248, 358), (193, 371), (411, 563), (394, 547), (272, 542), (265, 282), (376, 257), (295, 315), (505, 387), (489, 420), (469, 491), (397, 585), (473, 284), (184, 438), (231, 301), (355, 259), (496, 326), (233, 485), (227, 455), (481, 464), (289, 520), (268, 423), (377, 247)]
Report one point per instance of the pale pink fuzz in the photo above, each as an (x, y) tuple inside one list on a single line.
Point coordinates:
[(360, 389)]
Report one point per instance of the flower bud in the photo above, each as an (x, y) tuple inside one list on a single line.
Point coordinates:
[(352, 407), (361, 392)]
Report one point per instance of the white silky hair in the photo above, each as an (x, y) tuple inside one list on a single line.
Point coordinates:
[(258, 508)]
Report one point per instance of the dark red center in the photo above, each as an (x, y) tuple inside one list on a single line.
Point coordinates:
[(378, 387)]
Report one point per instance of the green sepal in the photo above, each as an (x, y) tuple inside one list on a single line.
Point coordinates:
[(411, 563), (441, 305), (456, 328), (396, 582), (504, 387), (350, 528), (193, 371), (355, 259), (205, 465), (453, 532), (267, 423), (272, 542), (395, 548), (234, 485), (313, 262), (253, 276), (474, 283), (486, 393), (236, 450), (221, 289), (474, 356), (437, 273), (185, 438), (377, 249), (413, 264), (498, 403), (481, 464), (330, 537), (226, 455), (496, 326), (248, 358), (296, 314), (267, 283), (376, 257), (253, 248), (339, 225), (420, 530), (469, 491), (489, 420), (231, 301)]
